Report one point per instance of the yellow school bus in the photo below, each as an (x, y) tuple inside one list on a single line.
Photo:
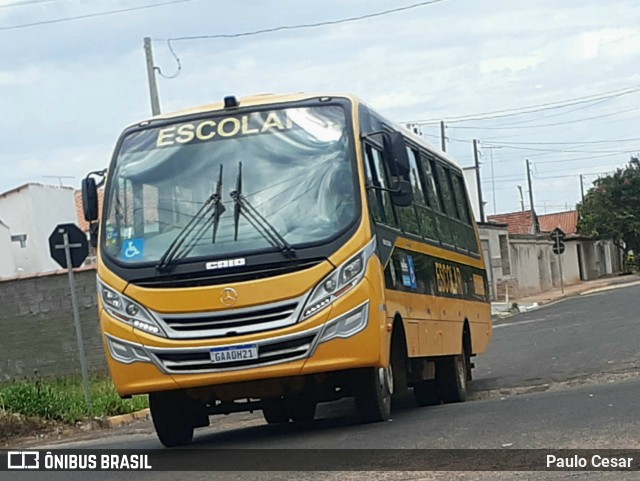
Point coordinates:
[(274, 252)]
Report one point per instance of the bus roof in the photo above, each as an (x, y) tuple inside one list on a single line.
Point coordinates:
[(267, 99)]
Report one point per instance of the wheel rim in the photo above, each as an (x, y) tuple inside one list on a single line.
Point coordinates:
[(385, 380), (461, 371)]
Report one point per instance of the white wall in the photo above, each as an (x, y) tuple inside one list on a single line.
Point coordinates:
[(494, 262), (35, 210), (7, 264)]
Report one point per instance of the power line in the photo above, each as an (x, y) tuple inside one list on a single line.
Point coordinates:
[(565, 151), (301, 26), (507, 127), (92, 15), (533, 108), (561, 143), (26, 2), (559, 161)]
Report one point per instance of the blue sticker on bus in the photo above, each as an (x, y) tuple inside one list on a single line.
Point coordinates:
[(132, 249), (412, 273), (404, 268)]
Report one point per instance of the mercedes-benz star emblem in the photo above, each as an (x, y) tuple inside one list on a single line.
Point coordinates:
[(228, 296)]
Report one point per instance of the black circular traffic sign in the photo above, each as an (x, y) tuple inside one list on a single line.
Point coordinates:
[(559, 248), (78, 245)]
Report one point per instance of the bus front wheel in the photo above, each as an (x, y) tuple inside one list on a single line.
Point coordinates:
[(373, 394), (275, 411), (173, 417)]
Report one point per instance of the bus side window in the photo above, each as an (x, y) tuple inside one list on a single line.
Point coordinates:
[(435, 197), (408, 215), (444, 182), (461, 198), (471, 243), (379, 201)]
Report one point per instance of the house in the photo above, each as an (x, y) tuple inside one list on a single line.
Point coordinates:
[(29, 213), (584, 258), (523, 222), (7, 264), (531, 266)]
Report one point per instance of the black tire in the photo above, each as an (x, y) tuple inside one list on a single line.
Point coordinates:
[(451, 377), (399, 361), (373, 392), (426, 393), (275, 411), (302, 410), (172, 417)]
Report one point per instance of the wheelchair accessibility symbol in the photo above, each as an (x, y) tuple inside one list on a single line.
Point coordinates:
[(132, 249)]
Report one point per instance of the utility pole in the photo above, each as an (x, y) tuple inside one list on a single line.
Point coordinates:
[(478, 181), (443, 138), (521, 199), (151, 75), (530, 186), (536, 226), (581, 189)]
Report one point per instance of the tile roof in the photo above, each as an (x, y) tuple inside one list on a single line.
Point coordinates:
[(517, 222), (567, 221), (83, 224)]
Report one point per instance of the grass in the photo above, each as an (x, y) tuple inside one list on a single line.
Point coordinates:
[(62, 399)]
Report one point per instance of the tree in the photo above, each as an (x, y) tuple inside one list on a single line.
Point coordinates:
[(611, 208)]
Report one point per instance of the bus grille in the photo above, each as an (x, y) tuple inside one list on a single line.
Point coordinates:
[(198, 360), (231, 322)]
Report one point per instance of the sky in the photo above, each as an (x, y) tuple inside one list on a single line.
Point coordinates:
[(566, 73)]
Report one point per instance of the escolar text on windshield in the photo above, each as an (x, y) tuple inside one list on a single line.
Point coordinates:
[(209, 129)]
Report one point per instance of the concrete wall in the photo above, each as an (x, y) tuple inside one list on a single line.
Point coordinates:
[(496, 252), (37, 326), (531, 264), (570, 265), (7, 264), (35, 210)]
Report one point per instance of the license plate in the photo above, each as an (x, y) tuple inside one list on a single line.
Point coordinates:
[(244, 352)]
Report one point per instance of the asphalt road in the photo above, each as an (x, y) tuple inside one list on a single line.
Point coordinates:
[(564, 376)]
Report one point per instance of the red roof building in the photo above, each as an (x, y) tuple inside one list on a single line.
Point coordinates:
[(567, 221), (517, 222)]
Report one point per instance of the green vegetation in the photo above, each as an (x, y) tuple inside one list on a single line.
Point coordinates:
[(62, 399), (611, 208)]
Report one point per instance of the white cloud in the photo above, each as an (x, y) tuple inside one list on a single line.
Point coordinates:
[(71, 88)]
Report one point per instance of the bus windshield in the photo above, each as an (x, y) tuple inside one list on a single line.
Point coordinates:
[(294, 167)]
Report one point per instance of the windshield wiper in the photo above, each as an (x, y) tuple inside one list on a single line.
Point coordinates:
[(211, 206), (244, 208)]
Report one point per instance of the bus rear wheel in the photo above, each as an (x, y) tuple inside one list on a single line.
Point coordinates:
[(451, 378), (172, 417), (426, 393)]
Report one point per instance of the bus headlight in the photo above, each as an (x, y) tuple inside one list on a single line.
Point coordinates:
[(339, 281), (346, 325), (128, 311)]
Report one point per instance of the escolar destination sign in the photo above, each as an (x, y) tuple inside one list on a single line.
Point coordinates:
[(224, 128)]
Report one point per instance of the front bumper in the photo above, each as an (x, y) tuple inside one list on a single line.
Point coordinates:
[(348, 340)]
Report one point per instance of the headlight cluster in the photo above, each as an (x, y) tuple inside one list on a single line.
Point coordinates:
[(129, 311), (347, 325), (338, 282)]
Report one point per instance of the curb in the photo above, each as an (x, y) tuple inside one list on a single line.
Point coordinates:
[(124, 419), (548, 302)]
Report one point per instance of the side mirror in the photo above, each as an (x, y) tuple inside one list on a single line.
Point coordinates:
[(89, 199), (402, 193), (395, 154), (93, 234)]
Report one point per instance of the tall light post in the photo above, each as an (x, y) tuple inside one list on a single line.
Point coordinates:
[(493, 178)]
